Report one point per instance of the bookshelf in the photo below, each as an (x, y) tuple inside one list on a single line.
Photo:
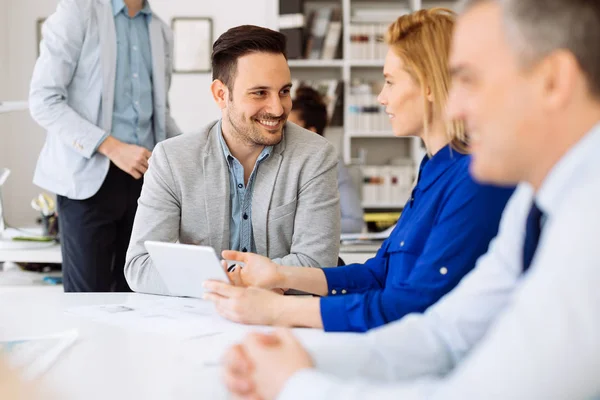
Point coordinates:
[(363, 130), (316, 63)]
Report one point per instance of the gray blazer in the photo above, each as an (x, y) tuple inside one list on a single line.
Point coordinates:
[(185, 198), (72, 93)]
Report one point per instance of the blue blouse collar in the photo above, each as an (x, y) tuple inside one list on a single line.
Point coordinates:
[(432, 168)]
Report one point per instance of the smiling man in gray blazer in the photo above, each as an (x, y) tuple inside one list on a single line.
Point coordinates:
[(250, 181), (99, 89)]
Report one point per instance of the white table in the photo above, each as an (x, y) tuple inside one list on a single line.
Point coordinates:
[(111, 362), (50, 254), (32, 252), (108, 362)]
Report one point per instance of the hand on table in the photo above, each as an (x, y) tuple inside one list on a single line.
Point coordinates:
[(259, 367)]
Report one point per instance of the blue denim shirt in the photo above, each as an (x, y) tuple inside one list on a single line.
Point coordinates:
[(133, 107), (241, 237), (444, 228)]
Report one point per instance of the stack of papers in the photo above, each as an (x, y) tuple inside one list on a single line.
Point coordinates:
[(182, 318)]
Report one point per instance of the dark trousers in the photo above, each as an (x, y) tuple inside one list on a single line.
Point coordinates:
[(95, 234)]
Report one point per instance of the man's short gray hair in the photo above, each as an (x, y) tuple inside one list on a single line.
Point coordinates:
[(537, 28)]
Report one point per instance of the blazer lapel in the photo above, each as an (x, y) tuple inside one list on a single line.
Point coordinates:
[(108, 54), (261, 199), (157, 46), (216, 195)]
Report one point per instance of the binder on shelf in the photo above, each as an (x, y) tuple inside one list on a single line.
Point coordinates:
[(334, 34), (367, 41), (387, 185), (290, 6), (314, 45), (291, 24), (366, 114)]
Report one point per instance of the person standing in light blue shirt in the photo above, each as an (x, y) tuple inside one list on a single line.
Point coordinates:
[(133, 110), (309, 111), (99, 89)]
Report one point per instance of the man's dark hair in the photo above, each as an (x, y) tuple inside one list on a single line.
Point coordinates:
[(238, 42), (312, 109)]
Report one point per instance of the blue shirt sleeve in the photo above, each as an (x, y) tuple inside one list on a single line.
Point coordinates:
[(360, 277), (467, 222)]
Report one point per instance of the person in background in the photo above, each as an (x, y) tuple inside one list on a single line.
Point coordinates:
[(99, 89), (310, 112), (525, 323), (249, 181), (444, 227)]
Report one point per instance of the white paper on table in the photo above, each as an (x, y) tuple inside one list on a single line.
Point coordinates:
[(184, 318), (35, 355)]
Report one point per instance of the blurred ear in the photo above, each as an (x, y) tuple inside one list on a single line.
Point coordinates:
[(428, 94), (220, 93), (559, 79)]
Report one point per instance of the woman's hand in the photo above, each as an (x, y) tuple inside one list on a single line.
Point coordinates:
[(257, 271), (251, 305)]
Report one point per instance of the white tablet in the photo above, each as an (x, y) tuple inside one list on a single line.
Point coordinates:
[(183, 267)]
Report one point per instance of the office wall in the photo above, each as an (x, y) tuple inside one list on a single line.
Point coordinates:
[(4, 81), (3, 71), (21, 139)]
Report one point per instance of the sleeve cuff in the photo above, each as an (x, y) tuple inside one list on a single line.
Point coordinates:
[(337, 280), (340, 354), (98, 143), (308, 384), (334, 314)]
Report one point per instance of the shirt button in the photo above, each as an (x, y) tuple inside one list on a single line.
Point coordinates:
[(344, 291), (244, 249), (334, 291), (240, 185), (245, 216), (137, 103), (443, 270), (135, 75), (134, 48), (402, 243)]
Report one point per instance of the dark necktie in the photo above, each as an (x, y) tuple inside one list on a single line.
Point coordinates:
[(533, 229)]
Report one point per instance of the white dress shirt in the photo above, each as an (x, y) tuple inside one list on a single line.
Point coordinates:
[(500, 334)]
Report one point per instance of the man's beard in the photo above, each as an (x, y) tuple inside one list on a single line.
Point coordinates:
[(252, 133)]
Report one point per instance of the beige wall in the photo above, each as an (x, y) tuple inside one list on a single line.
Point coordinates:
[(3, 73)]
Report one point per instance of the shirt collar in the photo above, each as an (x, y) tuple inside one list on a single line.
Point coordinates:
[(562, 176), (119, 5), (433, 167), (266, 152)]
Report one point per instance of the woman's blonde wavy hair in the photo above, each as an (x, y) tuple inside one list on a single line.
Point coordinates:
[(422, 40)]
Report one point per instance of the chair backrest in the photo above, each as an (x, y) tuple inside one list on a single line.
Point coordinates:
[(356, 175)]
